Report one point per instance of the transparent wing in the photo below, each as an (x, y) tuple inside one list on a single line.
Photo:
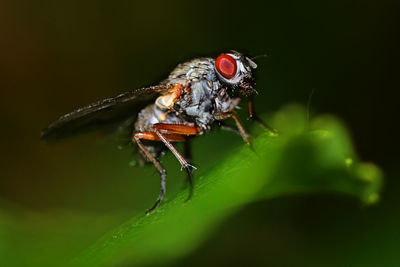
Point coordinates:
[(105, 113)]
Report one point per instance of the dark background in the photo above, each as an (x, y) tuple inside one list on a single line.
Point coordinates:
[(58, 55)]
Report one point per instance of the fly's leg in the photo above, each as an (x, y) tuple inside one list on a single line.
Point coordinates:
[(181, 160), (242, 131), (255, 118), (177, 129), (183, 130), (171, 133), (156, 163), (179, 157), (187, 153), (227, 127)]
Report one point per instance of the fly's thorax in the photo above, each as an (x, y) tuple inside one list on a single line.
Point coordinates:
[(192, 71), (197, 106)]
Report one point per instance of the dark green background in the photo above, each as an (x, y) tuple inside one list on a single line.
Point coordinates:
[(58, 55)]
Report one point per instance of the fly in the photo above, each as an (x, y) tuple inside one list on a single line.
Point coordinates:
[(196, 95)]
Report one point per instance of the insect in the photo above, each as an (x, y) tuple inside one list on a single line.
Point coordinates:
[(196, 95)]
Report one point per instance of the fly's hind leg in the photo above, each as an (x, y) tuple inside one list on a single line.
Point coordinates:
[(187, 153), (173, 133), (156, 163), (184, 131)]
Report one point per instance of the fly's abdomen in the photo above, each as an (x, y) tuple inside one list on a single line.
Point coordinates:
[(152, 114)]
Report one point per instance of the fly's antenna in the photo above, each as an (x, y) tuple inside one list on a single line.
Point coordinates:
[(309, 104), (259, 56)]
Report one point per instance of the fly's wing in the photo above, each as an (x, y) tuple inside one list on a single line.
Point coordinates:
[(102, 114)]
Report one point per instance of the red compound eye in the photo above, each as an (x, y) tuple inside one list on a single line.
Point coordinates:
[(226, 66)]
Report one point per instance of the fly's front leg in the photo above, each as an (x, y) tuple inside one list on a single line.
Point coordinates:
[(255, 118), (227, 127), (242, 131)]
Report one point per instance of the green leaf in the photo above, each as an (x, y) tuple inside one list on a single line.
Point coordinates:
[(305, 157)]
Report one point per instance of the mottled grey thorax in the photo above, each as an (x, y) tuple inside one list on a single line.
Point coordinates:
[(198, 106), (206, 98), (194, 70)]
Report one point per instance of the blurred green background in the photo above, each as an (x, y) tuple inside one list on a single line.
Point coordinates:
[(59, 55)]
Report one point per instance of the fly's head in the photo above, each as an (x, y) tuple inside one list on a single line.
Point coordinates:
[(236, 71)]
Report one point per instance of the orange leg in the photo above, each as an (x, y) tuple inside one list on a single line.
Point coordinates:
[(154, 137), (177, 129), (156, 163), (181, 130), (173, 133)]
